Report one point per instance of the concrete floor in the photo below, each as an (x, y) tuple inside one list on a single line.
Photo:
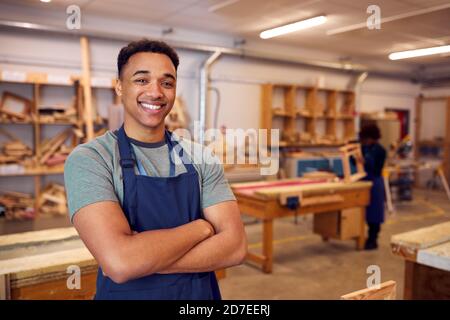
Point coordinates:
[(307, 268), (304, 266)]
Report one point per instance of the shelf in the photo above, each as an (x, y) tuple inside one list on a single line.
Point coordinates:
[(280, 113), (36, 171), (345, 117), (319, 110), (68, 123), (15, 122), (23, 77)]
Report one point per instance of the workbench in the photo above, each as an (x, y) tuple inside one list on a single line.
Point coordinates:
[(39, 265), (36, 265), (338, 208), (427, 261)]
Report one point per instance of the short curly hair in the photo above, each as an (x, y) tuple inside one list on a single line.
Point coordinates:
[(145, 45), (370, 131)]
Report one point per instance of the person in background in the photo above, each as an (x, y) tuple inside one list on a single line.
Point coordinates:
[(374, 157)]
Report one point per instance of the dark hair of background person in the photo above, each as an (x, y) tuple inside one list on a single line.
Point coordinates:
[(370, 131)]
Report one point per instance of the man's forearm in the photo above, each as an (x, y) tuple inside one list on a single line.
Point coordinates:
[(222, 250), (151, 251)]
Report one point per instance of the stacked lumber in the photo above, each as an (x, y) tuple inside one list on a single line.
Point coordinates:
[(14, 108), (17, 206), (54, 151), (52, 200), (57, 114), (14, 151)]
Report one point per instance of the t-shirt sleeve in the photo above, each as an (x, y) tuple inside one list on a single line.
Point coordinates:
[(87, 179), (215, 187)]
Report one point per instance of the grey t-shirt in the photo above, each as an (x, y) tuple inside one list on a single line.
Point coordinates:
[(92, 172)]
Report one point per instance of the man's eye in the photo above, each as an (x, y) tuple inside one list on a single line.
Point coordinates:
[(167, 84), (141, 81)]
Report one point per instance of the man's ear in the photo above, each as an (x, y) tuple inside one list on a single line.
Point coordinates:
[(118, 87)]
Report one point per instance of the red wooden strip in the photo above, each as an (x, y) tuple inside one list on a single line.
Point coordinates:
[(279, 184)]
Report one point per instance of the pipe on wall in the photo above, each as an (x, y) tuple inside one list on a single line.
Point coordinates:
[(203, 96)]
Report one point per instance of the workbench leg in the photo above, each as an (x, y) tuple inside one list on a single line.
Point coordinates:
[(360, 241), (268, 245), (408, 280), (5, 289)]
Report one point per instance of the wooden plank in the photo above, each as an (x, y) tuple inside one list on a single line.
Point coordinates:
[(264, 208), (268, 245), (57, 289), (55, 145), (437, 256), (317, 200), (425, 283), (386, 291), (350, 223), (311, 189), (87, 91), (326, 224), (32, 267), (37, 237), (5, 290), (424, 237)]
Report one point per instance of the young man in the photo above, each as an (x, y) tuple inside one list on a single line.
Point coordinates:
[(374, 158), (157, 227)]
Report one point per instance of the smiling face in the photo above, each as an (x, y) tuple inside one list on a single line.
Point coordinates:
[(148, 89)]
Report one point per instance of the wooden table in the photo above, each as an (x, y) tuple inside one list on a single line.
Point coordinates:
[(36, 265), (427, 261), (338, 208)]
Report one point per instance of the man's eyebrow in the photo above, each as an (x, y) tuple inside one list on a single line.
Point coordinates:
[(169, 75), (140, 71)]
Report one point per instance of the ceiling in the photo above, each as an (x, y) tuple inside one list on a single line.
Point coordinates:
[(247, 18)]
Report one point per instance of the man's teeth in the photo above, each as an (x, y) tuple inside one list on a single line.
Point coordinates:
[(151, 106)]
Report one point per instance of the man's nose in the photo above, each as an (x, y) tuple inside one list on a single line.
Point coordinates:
[(153, 90)]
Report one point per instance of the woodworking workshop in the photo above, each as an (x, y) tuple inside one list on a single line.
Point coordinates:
[(224, 150)]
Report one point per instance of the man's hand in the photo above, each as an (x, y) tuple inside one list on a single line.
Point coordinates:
[(226, 247), (124, 255)]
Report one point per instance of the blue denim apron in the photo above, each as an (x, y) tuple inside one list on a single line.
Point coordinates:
[(152, 203)]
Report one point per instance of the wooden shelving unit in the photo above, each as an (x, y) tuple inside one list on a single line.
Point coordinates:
[(298, 111), (33, 166)]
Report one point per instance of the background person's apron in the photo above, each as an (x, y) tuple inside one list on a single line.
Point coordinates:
[(152, 203)]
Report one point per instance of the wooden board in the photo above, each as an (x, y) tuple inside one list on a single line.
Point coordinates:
[(266, 190), (386, 291), (30, 269), (350, 224), (437, 257), (409, 243), (37, 237)]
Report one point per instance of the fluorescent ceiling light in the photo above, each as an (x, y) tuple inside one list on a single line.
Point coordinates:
[(221, 5), (46, 0), (419, 52), (292, 27)]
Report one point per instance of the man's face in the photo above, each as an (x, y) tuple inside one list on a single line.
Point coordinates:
[(148, 89)]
